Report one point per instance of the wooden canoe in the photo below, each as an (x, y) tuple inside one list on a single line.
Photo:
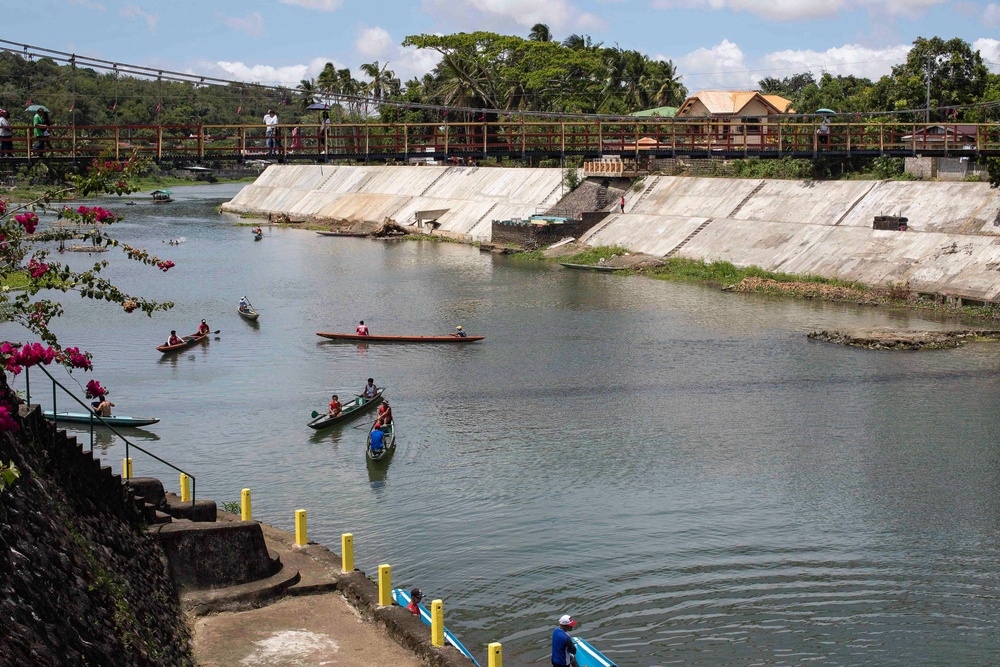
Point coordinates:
[(351, 409), (356, 235), (248, 314), (258, 237), (590, 267), (388, 441), (193, 339), (88, 417), (400, 339)]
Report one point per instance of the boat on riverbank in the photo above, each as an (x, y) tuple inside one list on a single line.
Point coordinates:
[(189, 341), (358, 235), (402, 598), (90, 417), (349, 411), (388, 444), (450, 338), (590, 267)]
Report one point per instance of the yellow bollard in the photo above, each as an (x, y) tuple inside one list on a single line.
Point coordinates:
[(384, 585), (347, 552), (246, 512), (437, 623), (495, 655), (127, 468), (300, 528), (185, 488)]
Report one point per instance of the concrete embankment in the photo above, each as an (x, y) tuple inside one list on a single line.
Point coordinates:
[(952, 246)]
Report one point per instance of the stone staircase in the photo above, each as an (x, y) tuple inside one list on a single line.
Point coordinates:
[(687, 238)]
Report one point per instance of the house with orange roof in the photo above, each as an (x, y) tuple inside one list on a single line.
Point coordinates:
[(735, 117)]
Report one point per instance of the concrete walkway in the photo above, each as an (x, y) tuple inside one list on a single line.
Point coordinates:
[(326, 618)]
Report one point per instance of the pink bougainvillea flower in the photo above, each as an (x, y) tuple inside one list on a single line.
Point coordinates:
[(165, 265), (37, 269), (27, 220), (7, 422)]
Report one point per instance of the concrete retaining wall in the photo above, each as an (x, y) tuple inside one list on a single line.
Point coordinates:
[(825, 228), (473, 196)]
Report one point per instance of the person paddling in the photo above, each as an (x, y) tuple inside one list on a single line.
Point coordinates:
[(204, 329), (460, 332)]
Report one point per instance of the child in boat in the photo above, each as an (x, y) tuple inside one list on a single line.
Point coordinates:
[(335, 407), (174, 339)]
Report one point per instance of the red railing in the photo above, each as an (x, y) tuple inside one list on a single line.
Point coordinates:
[(512, 139)]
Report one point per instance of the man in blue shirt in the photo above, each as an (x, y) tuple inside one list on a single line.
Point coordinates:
[(563, 649), (376, 439)]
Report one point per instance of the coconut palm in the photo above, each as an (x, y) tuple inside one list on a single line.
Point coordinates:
[(540, 33)]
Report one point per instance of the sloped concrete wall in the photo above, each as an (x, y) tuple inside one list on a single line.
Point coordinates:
[(473, 196)]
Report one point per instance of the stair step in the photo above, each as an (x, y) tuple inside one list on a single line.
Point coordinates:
[(161, 517)]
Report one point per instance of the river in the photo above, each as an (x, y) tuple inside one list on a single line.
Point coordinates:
[(678, 468)]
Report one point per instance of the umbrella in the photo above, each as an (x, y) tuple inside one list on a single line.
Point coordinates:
[(318, 106), (825, 111), (37, 107)]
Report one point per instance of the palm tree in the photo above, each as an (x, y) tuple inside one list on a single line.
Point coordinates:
[(307, 91), (540, 33)]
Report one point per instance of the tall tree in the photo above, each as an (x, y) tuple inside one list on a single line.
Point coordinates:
[(540, 33)]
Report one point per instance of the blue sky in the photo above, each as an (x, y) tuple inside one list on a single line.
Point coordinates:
[(714, 43)]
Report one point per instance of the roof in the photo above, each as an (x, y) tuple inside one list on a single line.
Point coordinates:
[(160, 192), (663, 112), (731, 102)]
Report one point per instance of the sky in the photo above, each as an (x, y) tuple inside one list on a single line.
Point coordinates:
[(715, 44)]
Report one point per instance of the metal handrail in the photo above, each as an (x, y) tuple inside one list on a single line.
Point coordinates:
[(93, 416)]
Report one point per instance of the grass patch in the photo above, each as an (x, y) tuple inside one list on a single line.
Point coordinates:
[(727, 273), (595, 255)]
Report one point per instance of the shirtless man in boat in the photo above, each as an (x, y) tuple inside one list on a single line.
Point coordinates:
[(104, 408), (362, 329), (335, 407), (174, 339)]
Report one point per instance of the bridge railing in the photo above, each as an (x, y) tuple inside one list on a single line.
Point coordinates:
[(511, 138)]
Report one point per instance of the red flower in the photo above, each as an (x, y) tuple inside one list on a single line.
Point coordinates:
[(37, 269), (28, 220)]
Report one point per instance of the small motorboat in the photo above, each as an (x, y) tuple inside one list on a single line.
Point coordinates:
[(349, 410), (388, 443), (91, 417)]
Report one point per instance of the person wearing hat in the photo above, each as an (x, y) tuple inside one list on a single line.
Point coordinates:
[(6, 135), (563, 648), (203, 328), (460, 332), (416, 595), (384, 417)]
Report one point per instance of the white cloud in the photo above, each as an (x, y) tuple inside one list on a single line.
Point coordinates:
[(252, 24), (288, 75), (321, 5), (133, 12), (373, 42), (412, 62), (805, 10), (88, 4), (502, 15), (991, 15), (989, 49), (726, 66)]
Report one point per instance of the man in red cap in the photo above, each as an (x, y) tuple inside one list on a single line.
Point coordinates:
[(563, 649)]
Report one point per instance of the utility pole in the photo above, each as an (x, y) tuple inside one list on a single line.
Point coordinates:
[(930, 66)]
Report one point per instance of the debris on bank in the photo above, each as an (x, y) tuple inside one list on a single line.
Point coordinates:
[(900, 339), (809, 290)]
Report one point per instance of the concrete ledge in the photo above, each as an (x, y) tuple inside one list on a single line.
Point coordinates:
[(213, 555), (203, 510), (242, 596)]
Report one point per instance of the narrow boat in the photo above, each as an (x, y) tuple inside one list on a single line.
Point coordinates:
[(248, 314), (350, 410), (588, 656), (258, 237), (451, 338), (188, 342), (88, 417), (591, 267), (357, 235), (388, 442), (402, 598)]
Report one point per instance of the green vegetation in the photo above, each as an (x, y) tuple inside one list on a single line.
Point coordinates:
[(8, 475), (595, 255), (232, 507), (726, 273), (15, 281)]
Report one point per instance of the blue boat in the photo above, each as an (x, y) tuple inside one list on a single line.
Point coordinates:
[(402, 598), (588, 656)]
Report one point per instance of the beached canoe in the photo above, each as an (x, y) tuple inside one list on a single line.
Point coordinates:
[(354, 235), (400, 339), (249, 314), (402, 598), (590, 267), (88, 417), (350, 410), (193, 339), (388, 442)]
